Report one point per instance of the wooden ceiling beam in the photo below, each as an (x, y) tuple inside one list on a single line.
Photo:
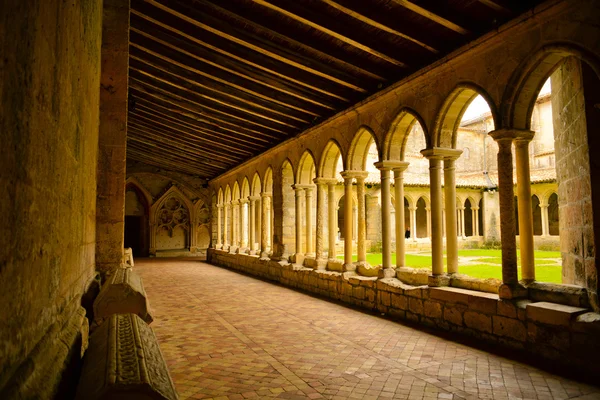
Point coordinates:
[(181, 139), (193, 124), (141, 155), (431, 16), (157, 86), (494, 5), (232, 13), (364, 19), (203, 121), (221, 96), (153, 122), (331, 33), (173, 8), (230, 74), (228, 106)]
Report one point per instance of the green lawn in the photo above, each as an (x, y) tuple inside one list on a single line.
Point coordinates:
[(481, 263)]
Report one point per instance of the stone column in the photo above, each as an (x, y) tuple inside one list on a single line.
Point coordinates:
[(524, 204), (112, 142), (437, 248), (450, 206), (399, 168), (309, 220), (320, 239), (428, 213), (361, 236), (219, 217), (545, 222), (226, 227), (510, 279), (265, 220), (257, 223), (299, 233), (386, 229), (332, 217), (234, 223), (244, 224), (348, 265), (252, 223), (413, 222), (461, 221), (476, 219)]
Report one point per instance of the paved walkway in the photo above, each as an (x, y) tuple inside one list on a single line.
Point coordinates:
[(229, 336)]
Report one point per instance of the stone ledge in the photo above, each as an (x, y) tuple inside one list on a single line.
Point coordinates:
[(553, 314), (124, 361), (569, 295)]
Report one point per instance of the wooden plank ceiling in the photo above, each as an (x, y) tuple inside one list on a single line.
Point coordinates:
[(213, 83)]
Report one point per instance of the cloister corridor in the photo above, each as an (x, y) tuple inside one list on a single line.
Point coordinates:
[(229, 336)]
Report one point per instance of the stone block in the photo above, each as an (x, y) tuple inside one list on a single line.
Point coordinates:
[(358, 292), (385, 298), (509, 327), (366, 269), (335, 265), (124, 361), (453, 315), (415, 305), (450, 295), (587, 322), (553, 314), (123, 293), (478, 321), (552, 336), (506, 309), (370, 296), (413, 276), (399, 302), (484, 302), (569, 295), (432, 309), (414, 292)]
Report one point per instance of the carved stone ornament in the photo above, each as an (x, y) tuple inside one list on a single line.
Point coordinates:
[(124, 361), (122, 293)]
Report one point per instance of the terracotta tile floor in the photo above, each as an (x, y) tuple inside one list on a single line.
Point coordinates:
[(229, 336)]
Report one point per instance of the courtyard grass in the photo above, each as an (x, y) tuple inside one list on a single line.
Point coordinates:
[(484, 263)]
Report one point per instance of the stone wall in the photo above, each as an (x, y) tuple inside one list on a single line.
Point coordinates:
[(49, 107), (564, 333)]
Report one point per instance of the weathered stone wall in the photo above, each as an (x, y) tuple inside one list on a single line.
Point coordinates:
[(49, 107), (573, 171), (563, 333)]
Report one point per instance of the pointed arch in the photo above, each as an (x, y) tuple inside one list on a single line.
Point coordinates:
[(245, 188), (256, 188), (395, 140), (173, 192), (227, 198), (329, 160), (235, 194), (450, 115), (306, 169), (359, 149), (220, 196), (268, 181), (141, 191)]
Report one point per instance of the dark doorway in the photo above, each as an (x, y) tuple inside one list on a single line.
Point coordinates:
[(134, 229)]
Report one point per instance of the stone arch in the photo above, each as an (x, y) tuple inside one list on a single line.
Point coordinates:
[(171, 219), (306, 171), (220, 197), (137, 221), (553, 215), (227, 197), (395, 141), (268, 180), (468, 216), (536, 212), (256, 185), (235, 193), (329, 160), (245, 191), (421, 217), (359, 149), (288, 239), (527, 80), (450, 115)]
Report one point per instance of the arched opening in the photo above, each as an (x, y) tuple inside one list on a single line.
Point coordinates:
[(409, 230), (236, 216), (306, 174), (137, 228), (268, 191), (421, 218), (172, 224), (330, 168), (553, 222), (245, 214), (288, 206), (536, 211), (256, 208), (468, 216), (227, 217), (341, 218)]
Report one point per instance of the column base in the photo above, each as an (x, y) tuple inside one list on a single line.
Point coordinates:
[(316, 264), (264, 255), (438, 280), (233, 249), (514, 291), (335, 264), (385, 273), (218, 247), (297, 258), (349, 267)]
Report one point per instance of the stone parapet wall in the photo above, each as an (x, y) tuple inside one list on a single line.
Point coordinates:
[(557, 332)]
